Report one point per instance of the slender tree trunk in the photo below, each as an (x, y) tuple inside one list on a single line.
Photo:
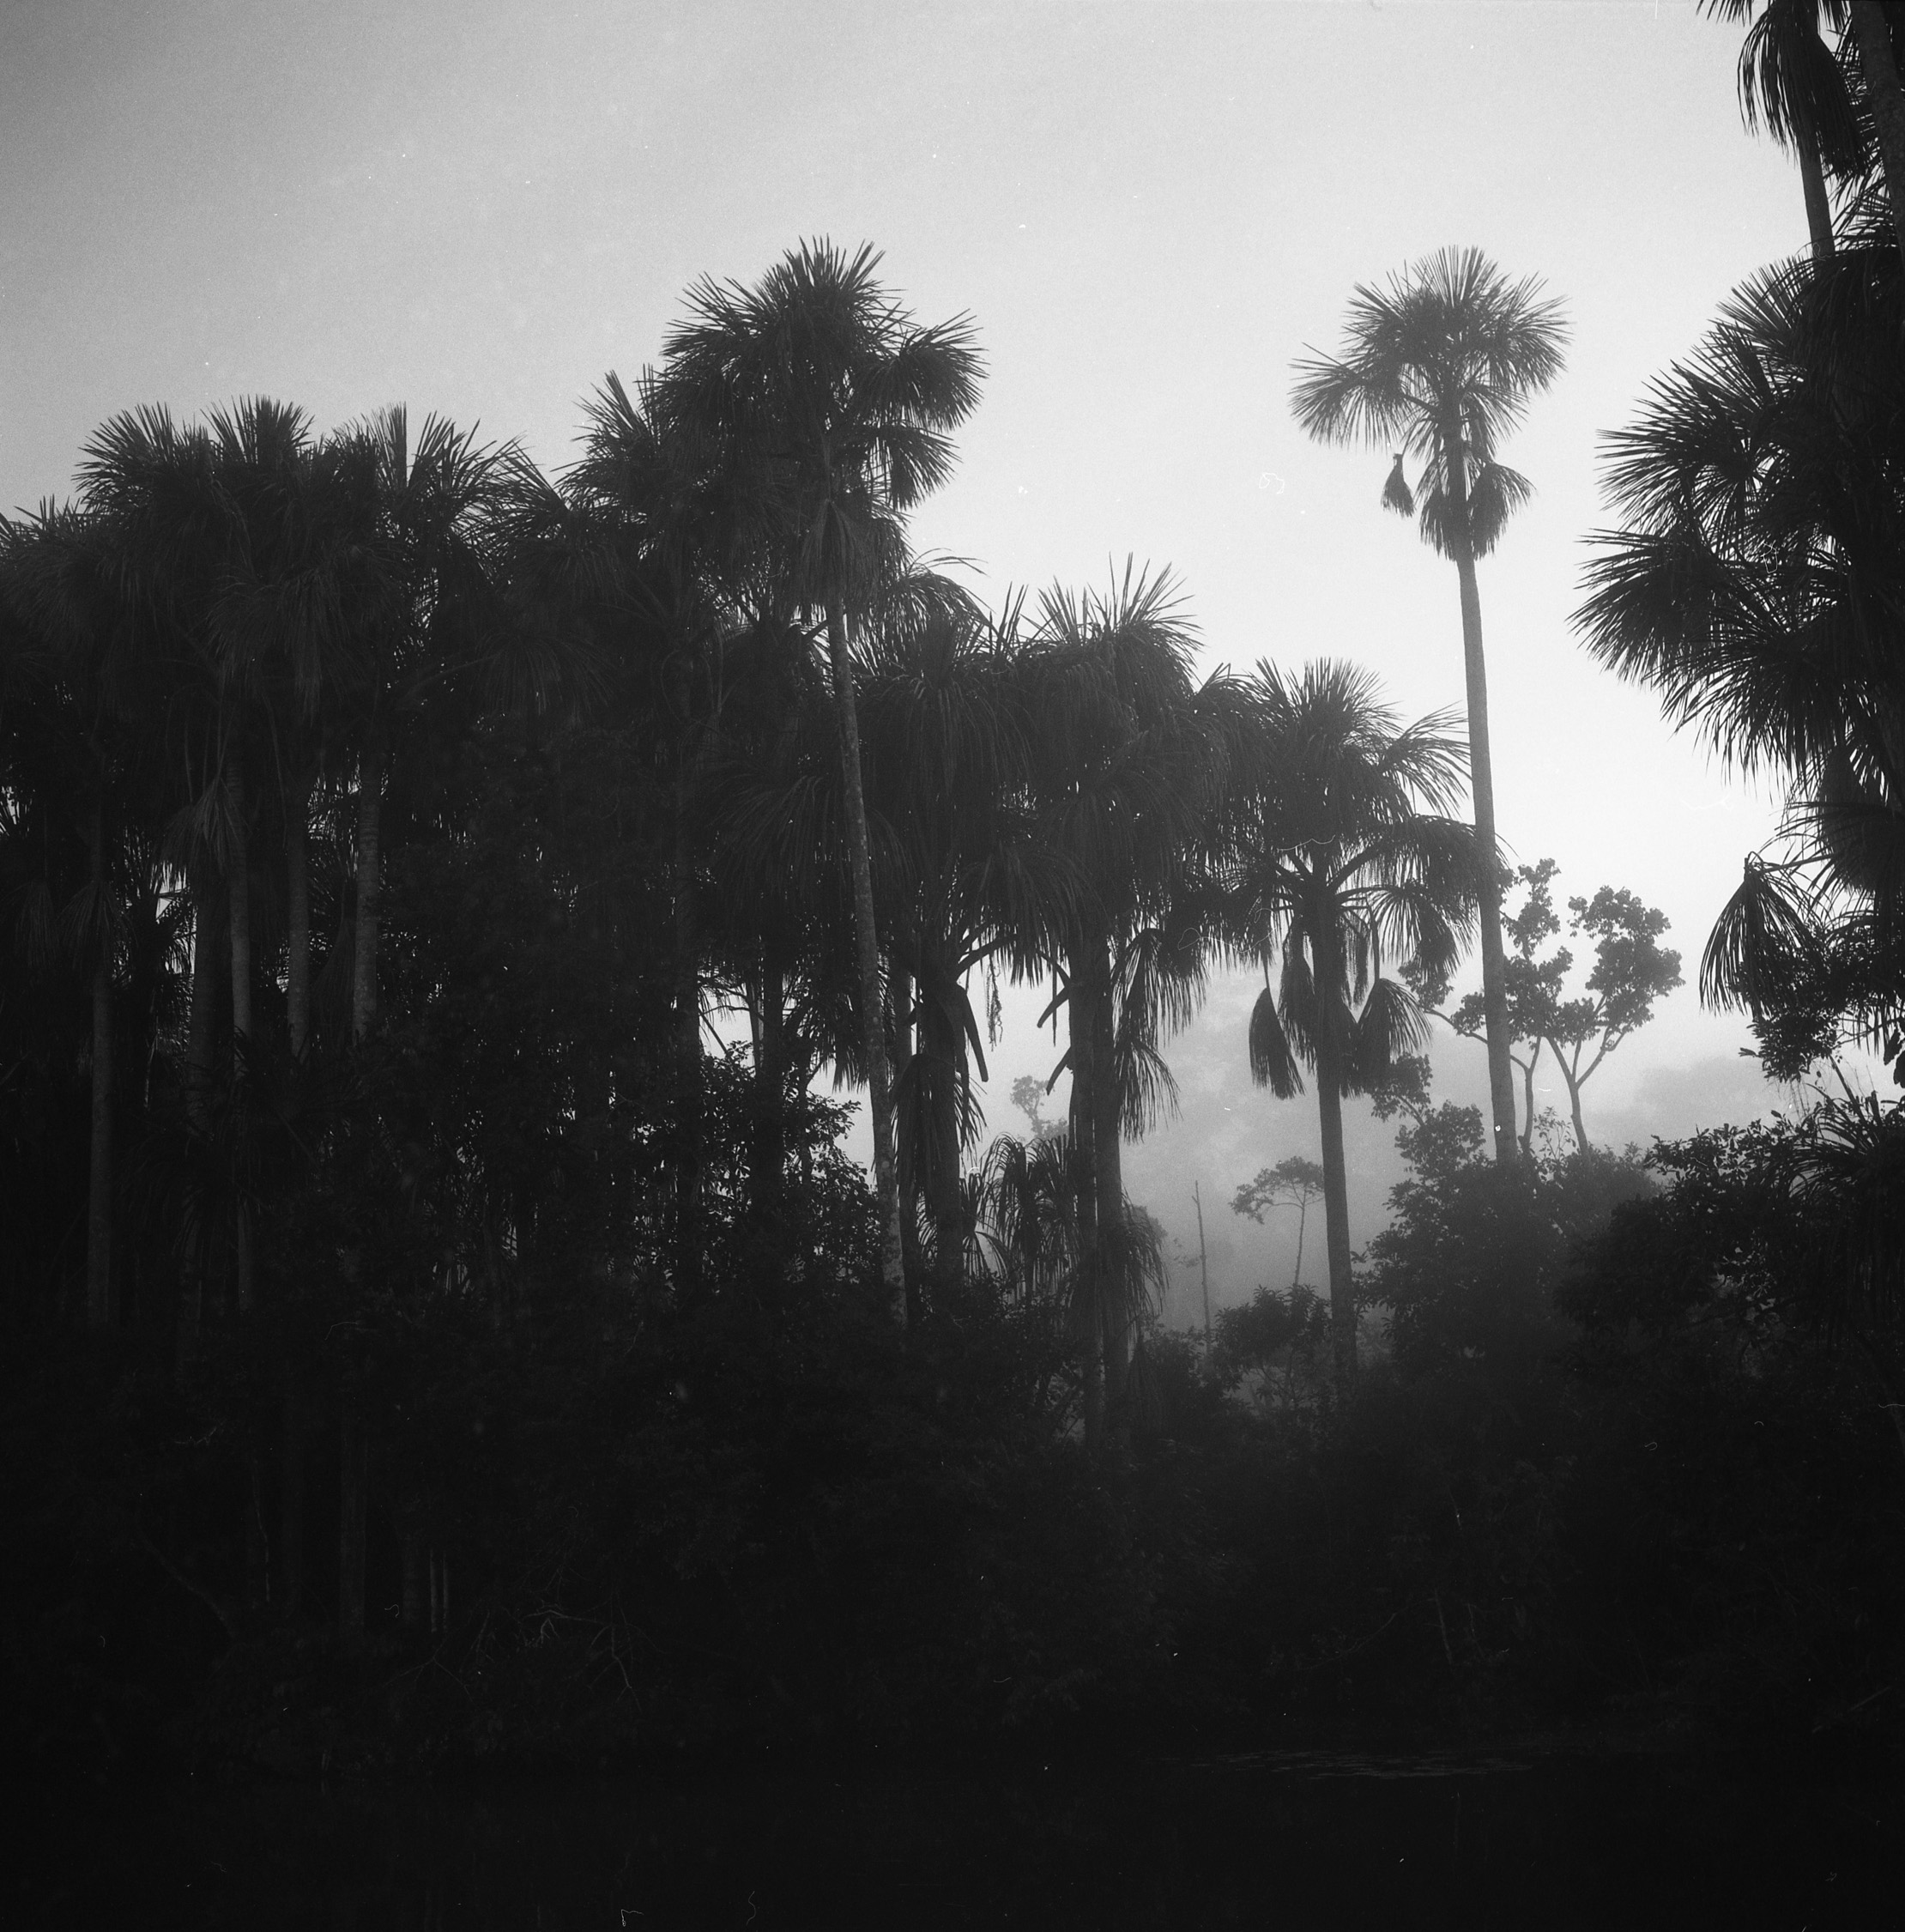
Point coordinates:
[(369, 821), (771, 1095), (908, 1103), (1115, 1273), (1872, 26), (353, 1509), (1203, 1265), (199, 1024), (1527, 1100), (239, 897), (688, 1071), (1079, 1008), (291, 1499), (866, 934), (98, 1180), (298, 917), (943, 1049), (1818, 205), (1501, 1071), (943, 1200), (1574, 1103), (1329, 1105)]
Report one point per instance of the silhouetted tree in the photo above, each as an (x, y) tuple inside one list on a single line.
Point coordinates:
[(1294, 1182), (1443, 363), (841, 406), (1343, 865), (1790, 78), (1755, 582)]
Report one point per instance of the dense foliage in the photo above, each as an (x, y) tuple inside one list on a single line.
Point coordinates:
[(442, 1328)]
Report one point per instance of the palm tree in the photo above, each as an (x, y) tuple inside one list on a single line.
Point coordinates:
[(841, 408), (422, 582), (1755, 580), (1130, 760), (1877, 33), (81, 687), (222, 547), (1788, 76), (632, 551), (1343, 864), (768, 795), (1440, 365), (965, 873)]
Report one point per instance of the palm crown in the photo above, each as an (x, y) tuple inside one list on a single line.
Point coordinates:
[(1342, 869), (844, 405), (1439, 364)]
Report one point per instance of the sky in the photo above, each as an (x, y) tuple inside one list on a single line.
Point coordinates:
[(1149, 211)]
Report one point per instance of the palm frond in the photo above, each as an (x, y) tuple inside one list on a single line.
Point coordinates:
[(1273, 1062)]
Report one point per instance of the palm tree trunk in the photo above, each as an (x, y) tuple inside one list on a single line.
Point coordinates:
[(688, 1073), (98, 1180), (942, 1048), (770, 1094), (1887, 100), (908, 1103), (298, 917), (1080, 1006), (198, 1026), (1329, 1106), (1501, 1072), (866, 934), (1818, 206), (1108, 1161), (369, 820), (239, 894), (199, 1029), (943, 1201)]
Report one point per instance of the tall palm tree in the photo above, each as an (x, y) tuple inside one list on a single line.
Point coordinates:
[(1440, 365), (1789, 77), (222, 547), (632, 551), (949, 775), (1129, 758), (1344, 864), (842, 408), (421, 586), (81, 684), (779, 912)]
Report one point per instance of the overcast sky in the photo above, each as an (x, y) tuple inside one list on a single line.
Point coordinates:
[(479, 208)]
